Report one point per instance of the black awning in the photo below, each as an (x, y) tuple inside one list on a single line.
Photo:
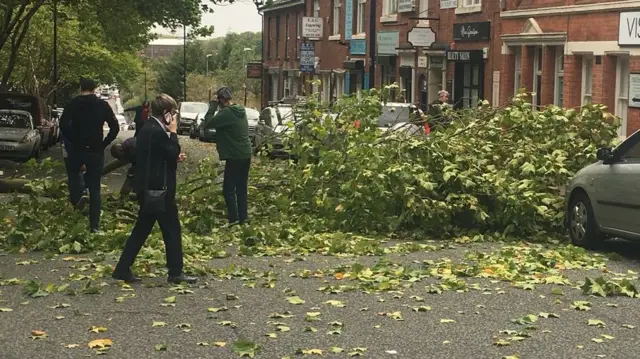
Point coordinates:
[(354, 64)]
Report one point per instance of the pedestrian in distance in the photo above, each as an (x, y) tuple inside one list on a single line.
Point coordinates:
[(234, 147), (126, 153), (141, 115), (157, 157), (82, 125)]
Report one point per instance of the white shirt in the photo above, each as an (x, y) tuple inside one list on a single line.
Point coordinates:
[(163, 126)]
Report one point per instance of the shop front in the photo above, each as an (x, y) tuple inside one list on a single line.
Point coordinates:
[(274, 83), (355, 66), (468, 78), (387, 59)]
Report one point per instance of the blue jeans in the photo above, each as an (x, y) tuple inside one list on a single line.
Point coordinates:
[(94, 161), (82, 178), (235, 188)]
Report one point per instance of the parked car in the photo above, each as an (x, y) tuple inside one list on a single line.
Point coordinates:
[(603, 199), (397, 117), (36, 108), (19, 137), (187, 113), (209, 135)]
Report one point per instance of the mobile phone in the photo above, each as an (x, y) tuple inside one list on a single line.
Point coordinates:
[(167, 118)]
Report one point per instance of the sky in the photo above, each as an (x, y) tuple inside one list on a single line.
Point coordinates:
[(240, 16)]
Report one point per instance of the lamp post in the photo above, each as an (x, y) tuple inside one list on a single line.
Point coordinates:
[(208, 56), (246, 50), (373, 21), (184, 64), (55, 53)]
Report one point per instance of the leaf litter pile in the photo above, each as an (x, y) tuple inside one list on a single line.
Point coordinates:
[(357, 195)]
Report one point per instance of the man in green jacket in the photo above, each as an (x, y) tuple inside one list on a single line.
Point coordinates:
[(234, 147)]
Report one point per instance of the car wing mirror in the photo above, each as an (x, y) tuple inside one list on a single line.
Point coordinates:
[(605, 154)]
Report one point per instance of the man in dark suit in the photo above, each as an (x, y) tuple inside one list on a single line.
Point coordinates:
[(157, 151)]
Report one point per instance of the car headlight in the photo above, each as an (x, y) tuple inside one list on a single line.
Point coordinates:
[(25, 139)]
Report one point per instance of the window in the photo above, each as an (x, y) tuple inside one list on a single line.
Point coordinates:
[(633, 153), (587, 79), (360, 16), (390, 7), (277, 36), (316, 8), (471, 2), (559, 78), (537, 76), (287, 37), (622, 92), (269, 35), (298, 35), (336, 17), (517, 79)]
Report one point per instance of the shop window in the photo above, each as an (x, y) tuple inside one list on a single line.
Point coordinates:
[(326, 88), (287, 37), (316, 8), (298, 34), (559, 78), (338, 88), (269, 34), (587, 79), (517, 79), (360, 17), (277, 36), (537, 76), (472, 2), (622, 92), (336, 17), (390, 7), (470, 85)]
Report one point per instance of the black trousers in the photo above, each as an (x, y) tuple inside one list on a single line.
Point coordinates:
[(171, 234), (235, 188), (94, 161)]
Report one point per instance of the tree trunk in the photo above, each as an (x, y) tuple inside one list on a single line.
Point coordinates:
[(21, 185)]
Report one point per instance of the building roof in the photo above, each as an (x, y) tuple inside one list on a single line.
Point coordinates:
[(167, 42), (281, 4)]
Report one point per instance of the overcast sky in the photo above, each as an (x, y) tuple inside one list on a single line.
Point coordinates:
[(240, 16)]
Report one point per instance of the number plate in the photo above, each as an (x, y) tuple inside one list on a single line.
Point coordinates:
[(7, 148)]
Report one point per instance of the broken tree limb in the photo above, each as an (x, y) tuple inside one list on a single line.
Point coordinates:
[(20, 185)]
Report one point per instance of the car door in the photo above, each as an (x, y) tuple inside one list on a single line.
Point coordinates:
[(618, 189)]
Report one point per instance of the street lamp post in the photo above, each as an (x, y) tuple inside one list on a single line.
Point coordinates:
[(208, 56), (55, 52), (246, 50), (184, 64), (145, 85), (373, 21)]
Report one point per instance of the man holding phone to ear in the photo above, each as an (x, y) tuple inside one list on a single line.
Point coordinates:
[(157, 157)]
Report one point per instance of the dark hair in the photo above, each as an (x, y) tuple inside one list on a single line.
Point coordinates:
[(161, 104), (87, 84), (117, 150), (145, 103)]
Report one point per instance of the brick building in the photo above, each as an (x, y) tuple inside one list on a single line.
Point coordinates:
[(572, 52)]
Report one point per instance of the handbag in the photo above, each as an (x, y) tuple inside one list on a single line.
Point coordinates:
[(154, 201)]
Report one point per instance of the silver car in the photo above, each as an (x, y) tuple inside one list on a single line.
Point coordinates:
[(603, 199), (19, 138)]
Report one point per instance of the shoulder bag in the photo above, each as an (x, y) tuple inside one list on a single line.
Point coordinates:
[(154, 201)]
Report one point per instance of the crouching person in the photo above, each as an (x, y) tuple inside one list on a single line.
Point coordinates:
[(126, 152)]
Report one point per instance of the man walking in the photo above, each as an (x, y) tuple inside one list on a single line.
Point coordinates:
[(157, 157), (234, 147), (82, 125), (141, 115)]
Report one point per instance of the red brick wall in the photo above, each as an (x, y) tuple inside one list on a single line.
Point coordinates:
[(548, 74), (572, 81), (608, 82), (507, 80), (633, 116), (527, 67)]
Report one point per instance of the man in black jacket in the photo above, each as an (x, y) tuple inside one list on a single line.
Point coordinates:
[(82, 124), (157, 157)]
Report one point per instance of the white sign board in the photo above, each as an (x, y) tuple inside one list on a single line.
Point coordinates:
[(405, 5), (634, 90), (448, 4), (629, 31), (422, 61), (421, 36), (496, 89), (312, 27)]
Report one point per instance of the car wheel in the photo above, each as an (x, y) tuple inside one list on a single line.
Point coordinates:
[(583, 228)]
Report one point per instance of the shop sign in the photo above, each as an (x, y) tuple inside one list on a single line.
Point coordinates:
[(348, 22), (421, 36), (357, 47), (436, 62), (254, 70), (405, 5), (465, 56), (312, 27), (448, 4), (422, 62), (307, 57), (629, 30), (472, 31), (388, 42)]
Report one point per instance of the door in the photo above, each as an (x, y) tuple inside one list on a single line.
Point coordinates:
[(618, 190), (468, 84), (423, 100)]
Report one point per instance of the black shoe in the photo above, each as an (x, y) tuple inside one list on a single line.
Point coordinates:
[(82, 203), (181, 279), (127, 278)]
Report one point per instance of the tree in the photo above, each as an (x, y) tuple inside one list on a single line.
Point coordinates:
[(170, 72), (231, 59)]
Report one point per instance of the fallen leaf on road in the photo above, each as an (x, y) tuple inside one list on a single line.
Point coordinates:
[(447, 321), (95, 329), (202, 344), (38, 334), (628, 326), (295, 300), (5, 310), (161, 347), (245, 348), (309, 351), (71, 346), (596, 323), (100, 343), (335, 303), (391, 351), (597, 340), (336, 350), (216, 310), (357, 352), (159, 324), (170, 300), (227, 323), (220, 344)]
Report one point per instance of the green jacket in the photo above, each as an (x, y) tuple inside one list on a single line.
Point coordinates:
[(232, 131)]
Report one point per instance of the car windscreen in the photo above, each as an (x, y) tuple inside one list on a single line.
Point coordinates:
[(19, 102), (194, 107), (14, 120), (392, 115), (252, 114)]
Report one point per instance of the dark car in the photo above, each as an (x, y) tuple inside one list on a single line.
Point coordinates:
[(187, 114), (209, 135), (36, 107)]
